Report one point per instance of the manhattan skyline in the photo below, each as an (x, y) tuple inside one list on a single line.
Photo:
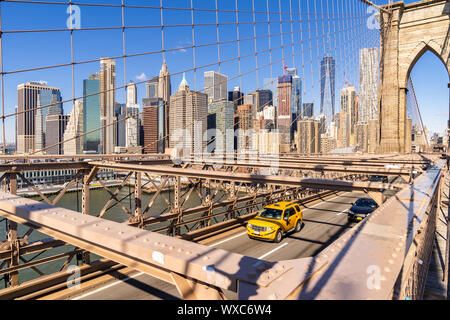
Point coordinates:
[(179, 57), (88, 45)]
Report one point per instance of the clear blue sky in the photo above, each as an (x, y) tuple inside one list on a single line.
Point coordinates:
[(430, 80), (319, 32)]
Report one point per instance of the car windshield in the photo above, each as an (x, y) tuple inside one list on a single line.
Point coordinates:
[(365, 203), (271, 214), (376, 178)]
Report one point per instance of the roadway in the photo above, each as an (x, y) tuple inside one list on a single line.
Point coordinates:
[(324, 222)]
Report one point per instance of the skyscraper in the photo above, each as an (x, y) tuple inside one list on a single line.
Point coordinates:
[(121, 115), (250, 99), (216, 86), (131, 94), (328, 85), (132, 129), (31, 95), (224, 116), (369, 73), (264, 99), (296, 101), (55, 127), (152, 88), (322, 120), (296, 96), (153, 125), (45, 98), (343, 130), (164, 92), (91, 113), (285, 110), (259, 99), (266, 142), (362, 132), (308, 110), (73, 130), (236, 96), (245, 115), (308, 136), (107, 104), (296, 93), (188, 120), (348, 105)]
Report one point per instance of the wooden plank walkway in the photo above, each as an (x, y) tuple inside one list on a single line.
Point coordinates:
[(437, 284)]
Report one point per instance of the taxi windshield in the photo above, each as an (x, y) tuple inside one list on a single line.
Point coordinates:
[(271, 214)]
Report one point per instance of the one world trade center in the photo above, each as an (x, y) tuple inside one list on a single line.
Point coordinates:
[(328, 85)]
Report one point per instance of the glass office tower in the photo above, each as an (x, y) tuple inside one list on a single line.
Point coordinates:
[(328, 85), (91, 114)]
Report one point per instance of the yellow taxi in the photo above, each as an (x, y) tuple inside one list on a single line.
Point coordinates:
[(276, 220)]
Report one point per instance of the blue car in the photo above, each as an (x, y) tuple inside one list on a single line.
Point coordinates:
[(361, 209)]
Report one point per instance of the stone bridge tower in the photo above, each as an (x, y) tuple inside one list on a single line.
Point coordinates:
[(406, 34)]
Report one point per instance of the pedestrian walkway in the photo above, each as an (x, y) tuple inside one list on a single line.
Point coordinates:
[(437, 279)]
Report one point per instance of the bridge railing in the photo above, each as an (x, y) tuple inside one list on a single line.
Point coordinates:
[(376, 248)]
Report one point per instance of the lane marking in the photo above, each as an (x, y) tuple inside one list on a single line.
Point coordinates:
[(213, 245), (345, 211), (305, 209), (272, 251), (108, 286), (229, 239)]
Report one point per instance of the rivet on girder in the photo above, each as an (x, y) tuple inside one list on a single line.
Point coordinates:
[(394, 255), (107, 228), (387, 269), (391, 261), (280, 267)]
